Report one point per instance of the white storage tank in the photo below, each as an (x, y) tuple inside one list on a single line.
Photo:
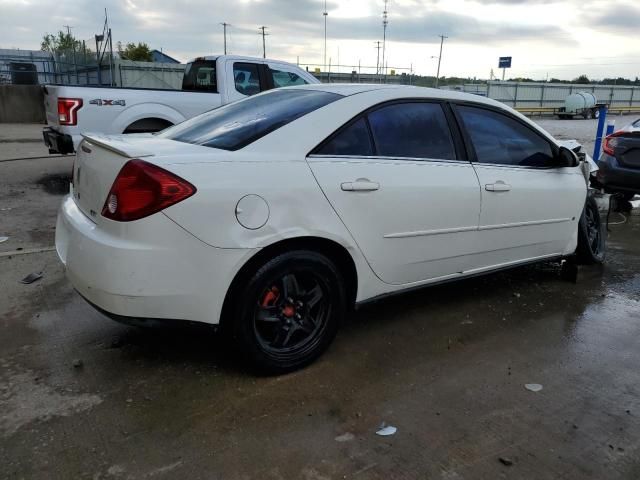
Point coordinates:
[(577, 102)]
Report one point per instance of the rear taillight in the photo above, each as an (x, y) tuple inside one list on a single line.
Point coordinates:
[(68, 110), (611, 142), (141, 189)]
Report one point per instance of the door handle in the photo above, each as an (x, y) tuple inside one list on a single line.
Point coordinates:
[(499, 186), (360, 185)]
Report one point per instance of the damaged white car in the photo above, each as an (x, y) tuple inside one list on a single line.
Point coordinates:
[(276, 214)]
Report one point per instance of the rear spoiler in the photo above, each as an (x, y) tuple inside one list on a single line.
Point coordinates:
[(119, 144)]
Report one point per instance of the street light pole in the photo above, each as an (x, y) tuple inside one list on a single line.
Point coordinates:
[(264, 34), (224, 29), (442, 37), (325, 13)]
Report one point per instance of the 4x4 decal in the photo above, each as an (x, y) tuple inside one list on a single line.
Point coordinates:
[(100, 102)]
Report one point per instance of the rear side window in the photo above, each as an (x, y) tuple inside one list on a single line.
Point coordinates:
[(501, 140), (238, 124), (416, 129), (200, 75), (247, 78), (286, 79), (353, 140)]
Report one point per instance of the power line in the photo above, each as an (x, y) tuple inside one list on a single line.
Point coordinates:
[(264, 34)]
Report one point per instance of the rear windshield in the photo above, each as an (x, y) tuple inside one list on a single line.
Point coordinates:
[(200, 75), (238, 124)]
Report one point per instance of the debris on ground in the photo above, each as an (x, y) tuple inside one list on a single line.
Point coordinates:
[(345, 437), (386, 431), (77, 363), (507, 462), (32, 277), (3, 239), (533, 387)]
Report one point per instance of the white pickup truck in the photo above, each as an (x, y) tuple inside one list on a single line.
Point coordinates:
[(208, 82)]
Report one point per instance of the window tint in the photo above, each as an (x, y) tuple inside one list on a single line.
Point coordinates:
[(286, 79), (502, 140), (238, 124), (412, 130), (247, 78), (200, 75), (353, 140)]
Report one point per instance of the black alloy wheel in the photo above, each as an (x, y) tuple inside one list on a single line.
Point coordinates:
[(290, 311), (591, 235)]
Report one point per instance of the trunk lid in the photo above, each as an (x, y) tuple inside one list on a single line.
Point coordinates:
[(100, 158), (95, 168)]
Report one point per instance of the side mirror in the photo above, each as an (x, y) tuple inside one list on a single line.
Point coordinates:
[(567, 158)]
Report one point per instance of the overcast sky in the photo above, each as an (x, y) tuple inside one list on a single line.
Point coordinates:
[(561, 38)]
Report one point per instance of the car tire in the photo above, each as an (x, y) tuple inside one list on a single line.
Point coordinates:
[(591, 235), (289, 311)]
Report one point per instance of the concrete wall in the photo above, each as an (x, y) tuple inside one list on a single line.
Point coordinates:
[(21, 104)]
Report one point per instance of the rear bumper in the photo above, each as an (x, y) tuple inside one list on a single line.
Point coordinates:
[(614, 177), (148, 269), (57, 142)]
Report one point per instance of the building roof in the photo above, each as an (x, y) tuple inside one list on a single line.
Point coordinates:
[(159, 56)]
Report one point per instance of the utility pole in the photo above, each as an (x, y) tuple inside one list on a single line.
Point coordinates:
[(385, 22), (325, 13), (224, 29), (377, 57), (264, 34), (73, 46), (442, 37)]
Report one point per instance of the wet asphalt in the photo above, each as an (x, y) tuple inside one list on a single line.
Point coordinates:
[(84, 397)]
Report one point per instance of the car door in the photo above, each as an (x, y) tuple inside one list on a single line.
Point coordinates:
[(398, 179), (530, 205), (247, 78), (284, 76)]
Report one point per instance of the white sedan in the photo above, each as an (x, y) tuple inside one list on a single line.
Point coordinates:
[(276, 214)]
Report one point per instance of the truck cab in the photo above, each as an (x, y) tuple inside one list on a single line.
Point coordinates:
[(208, 83)]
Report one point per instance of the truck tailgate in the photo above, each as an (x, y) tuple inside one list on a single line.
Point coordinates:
[(51, 104)]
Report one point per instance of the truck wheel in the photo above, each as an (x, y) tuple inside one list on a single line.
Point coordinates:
[(588, 114), (596, 113), (591, 235)]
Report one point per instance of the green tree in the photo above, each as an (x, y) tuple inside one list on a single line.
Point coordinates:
[(139, 53), (582, 79), (61, 42)]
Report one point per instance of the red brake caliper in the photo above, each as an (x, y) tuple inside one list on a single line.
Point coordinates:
[(270, 297)]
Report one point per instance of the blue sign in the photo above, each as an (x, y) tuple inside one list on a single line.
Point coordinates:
[(505, 62)]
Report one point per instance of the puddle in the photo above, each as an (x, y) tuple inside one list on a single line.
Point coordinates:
[(55, 184)]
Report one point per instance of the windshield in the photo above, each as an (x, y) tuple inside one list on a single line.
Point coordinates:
[(238, 124)]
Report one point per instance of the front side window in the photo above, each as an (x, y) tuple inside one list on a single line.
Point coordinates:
[(501, 140), (286, 79), (416, 129), (247, 78), (353, 140), (200, 75), (238, 124)]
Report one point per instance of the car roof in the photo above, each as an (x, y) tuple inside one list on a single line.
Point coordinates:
[(401, 91)]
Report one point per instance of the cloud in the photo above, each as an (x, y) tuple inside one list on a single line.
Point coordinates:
[(625, 18)]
